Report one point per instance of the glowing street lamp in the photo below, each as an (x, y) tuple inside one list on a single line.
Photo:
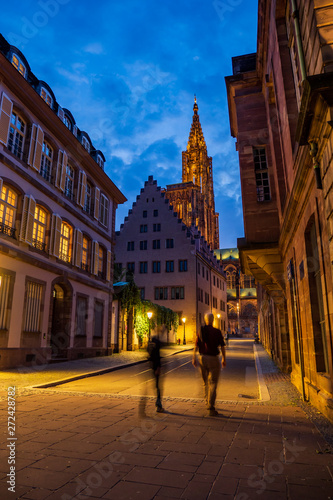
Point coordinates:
[(184, 321), (149, 314), (218, 317)]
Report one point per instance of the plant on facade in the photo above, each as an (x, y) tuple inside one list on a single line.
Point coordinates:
[(161, 316)]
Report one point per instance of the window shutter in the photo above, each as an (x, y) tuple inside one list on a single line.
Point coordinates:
[(78, 239), (108, 265), (32, 145), (59, 167), (96, 208), (63, 171), (55, 235), (38, 149), (1, 183), (81, 191), (24, 220), (30, 220), (5, 116), (95, 247)]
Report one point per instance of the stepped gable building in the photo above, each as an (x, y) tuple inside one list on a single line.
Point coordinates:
[(172, 264), (57, 219), (241, 294), (280, 105), (193, 198)]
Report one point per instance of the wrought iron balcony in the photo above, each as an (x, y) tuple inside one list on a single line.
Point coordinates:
[(8, 230), (40, 245)]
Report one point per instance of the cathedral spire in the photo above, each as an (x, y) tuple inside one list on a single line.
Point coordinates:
[(195, 107)]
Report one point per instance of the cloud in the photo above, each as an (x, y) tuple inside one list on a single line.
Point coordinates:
[(94, 48)]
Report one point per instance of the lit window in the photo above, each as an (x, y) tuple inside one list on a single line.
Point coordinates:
[(8, 206), (16, 135), (65, 242), (85, 254), (46, 96), (88, 198), (46, 165), (69, 183), (101, 262), (16, 61), (86, 144), (39, 228), (103, 210)]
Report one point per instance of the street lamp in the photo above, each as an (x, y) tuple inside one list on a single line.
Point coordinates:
[(184, 321), (149, 314)]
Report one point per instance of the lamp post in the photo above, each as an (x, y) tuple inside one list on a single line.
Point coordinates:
[(238, 317), (149, 314), (184, 339)]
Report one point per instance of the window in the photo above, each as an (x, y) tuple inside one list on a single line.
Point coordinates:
[(81, 316), (169, 243), (100, 161), (203, 271), (142, 293), (103, 210), (214, 280), (8, 206), (85, 254), (46, 165), (69, 183), (101, 262), (156, 244), (98, 318), (16, 135), (87, 207), (215, 302), (143, 267), (261, 174), (143, 228), (6, 291), (131, 267), (86, 144), (231, 278), (16, 61), (156, 266), (182, 265), (67, 122), (207, 298), (156, 228), (39, 228), (143, 245), (144, 214), (130, 246), (155, 213), (169, 266), (177, 292), (46, 96), (65, 242), (207, 274), (222, 305), (161, 293), (33, 305)]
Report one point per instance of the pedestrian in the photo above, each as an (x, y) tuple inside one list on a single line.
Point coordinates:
[(208, 343), (227, 339), (154, 346)]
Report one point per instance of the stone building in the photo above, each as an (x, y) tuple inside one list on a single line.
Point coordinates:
[(172, 264), (241, 294), (57, 217), (280, 105), (193, 198)]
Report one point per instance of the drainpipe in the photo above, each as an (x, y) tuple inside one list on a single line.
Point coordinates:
[(295, 15)]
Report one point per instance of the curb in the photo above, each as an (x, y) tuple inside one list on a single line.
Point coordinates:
[(102, 371), (263, 390)]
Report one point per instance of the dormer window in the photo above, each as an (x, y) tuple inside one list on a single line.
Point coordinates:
[(100, 161), (86, 144), (16, 61), (67, 122), (46, 96)]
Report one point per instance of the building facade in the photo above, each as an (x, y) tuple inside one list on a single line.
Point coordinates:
[(241, 295), (280, 106), (193, 198), (172, 264), (57, 219)]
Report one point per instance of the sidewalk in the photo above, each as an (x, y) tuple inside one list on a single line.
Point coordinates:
[(90, 446)]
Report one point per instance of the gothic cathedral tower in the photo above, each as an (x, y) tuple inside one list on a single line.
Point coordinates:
[(193, 199)]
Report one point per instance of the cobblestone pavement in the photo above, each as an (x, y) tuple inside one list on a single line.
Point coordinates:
[(74, 446)]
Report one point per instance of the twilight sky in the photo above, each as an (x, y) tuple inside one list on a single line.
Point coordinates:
[(128, 71)]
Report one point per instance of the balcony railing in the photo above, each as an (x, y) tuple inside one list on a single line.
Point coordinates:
[(85, 267), (8, 230), (40, 245), (65, 257)]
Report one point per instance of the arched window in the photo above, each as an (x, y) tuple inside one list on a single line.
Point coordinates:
[(85, 253), (69, 183), (16, 135), (39, 228), (16, 61), (8, 207), (231, 278), (65, 242), (46, 165)]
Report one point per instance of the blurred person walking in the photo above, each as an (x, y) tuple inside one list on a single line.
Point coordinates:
[(209, 342)]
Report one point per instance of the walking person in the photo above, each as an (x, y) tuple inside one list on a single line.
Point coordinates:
[(208, 343), (154, 358)]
